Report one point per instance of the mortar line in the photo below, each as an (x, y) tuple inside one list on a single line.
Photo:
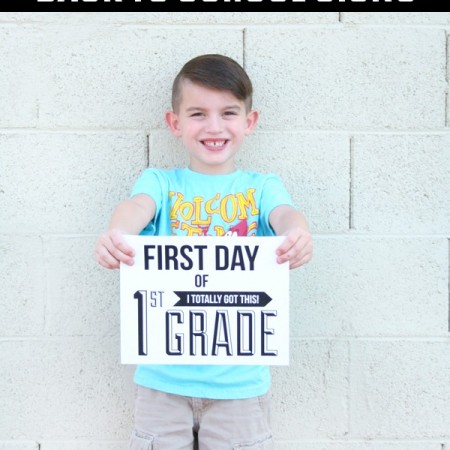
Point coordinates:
[(140, 131), (350, 188), (322, 235), (44, 251), (261, 25), (446, 105), (371, 338), (446, 57), (446, 124), (225, 25), (443, 339), (391, 440), (349, 387), (148, 150), (448, 280), (244, 44)]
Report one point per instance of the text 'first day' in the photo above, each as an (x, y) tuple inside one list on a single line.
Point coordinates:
[(192, 257)]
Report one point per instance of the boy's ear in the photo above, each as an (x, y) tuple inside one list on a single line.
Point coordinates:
[(173, 122), (252, 119)]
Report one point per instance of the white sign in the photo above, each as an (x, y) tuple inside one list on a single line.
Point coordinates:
[(204, 300)]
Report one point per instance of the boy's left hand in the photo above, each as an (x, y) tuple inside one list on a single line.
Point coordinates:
[(296, 248)]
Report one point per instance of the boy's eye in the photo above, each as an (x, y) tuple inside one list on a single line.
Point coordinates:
[(230, 113), (197, 114)]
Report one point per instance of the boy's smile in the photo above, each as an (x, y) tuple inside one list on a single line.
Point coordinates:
[(214, 145), (212, 125)]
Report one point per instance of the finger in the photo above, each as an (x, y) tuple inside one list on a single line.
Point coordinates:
[(301, 259), (293, 252), (301, 250), (119, 256), (104, 258), (288, 242), (112, 249), (120, 244)]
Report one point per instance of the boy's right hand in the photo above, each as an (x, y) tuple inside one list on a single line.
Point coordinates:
[(111, 250)]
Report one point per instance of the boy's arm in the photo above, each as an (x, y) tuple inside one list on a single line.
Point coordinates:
[(297, 246), (130, 217)]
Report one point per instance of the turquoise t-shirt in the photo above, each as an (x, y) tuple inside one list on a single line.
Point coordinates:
[(193, 204)]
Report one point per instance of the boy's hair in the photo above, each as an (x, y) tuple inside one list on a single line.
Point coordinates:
[(214, 72)]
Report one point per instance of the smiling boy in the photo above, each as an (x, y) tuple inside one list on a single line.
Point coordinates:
[(224, 407), (212, 125)]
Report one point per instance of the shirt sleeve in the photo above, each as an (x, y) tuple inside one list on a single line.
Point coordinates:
[(150, 183), (274, 194)]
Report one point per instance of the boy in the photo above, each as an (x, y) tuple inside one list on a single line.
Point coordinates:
[(227, 407)]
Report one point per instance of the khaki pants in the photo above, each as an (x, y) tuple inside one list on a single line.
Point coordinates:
[(173, 422)]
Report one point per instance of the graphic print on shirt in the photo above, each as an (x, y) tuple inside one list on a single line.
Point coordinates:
[(222, 215)]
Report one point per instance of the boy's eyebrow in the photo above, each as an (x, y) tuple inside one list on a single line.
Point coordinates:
[(199, 108)]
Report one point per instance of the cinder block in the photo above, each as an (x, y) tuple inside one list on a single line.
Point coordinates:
[(22, 282), (310, 396), (82, 297), (400, 389), (174, 18), (119, 77), (363, 286), (400, 183), (19, 76), (396, 18), (166, 151), (66, 183), (314, 168), (317, 175), (347, 78), (84, 445), (64, 389)]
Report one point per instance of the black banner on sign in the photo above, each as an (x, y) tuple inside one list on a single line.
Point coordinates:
[(240, 299), (213, 5)]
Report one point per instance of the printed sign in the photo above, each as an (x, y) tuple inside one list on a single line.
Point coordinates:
[(204, 300)]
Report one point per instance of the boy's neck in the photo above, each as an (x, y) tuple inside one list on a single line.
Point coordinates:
[(213, 170)]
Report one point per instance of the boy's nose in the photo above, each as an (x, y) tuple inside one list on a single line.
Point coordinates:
[(214, 124)]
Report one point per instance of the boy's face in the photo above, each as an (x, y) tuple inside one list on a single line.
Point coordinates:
[(212, 125)]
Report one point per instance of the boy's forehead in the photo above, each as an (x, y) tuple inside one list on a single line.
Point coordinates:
[(198, 93)]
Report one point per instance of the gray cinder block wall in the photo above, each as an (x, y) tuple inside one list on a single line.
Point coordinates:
[(354, 116)]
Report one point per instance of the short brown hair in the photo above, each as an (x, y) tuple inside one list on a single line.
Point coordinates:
[(215, 72)]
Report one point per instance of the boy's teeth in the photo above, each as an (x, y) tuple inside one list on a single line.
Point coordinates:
[(214, 143)]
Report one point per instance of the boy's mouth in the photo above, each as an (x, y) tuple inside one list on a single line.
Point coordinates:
[(214, 144)]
